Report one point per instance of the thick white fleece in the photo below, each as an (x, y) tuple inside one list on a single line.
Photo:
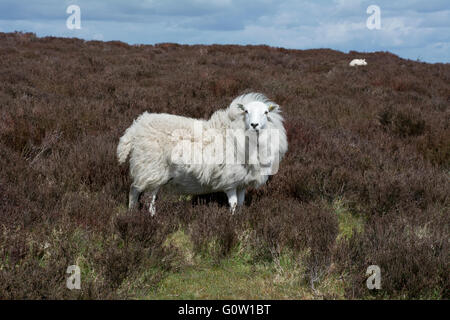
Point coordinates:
[(152, 141)]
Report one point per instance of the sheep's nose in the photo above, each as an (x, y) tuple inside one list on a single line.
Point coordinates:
[(254, 125)]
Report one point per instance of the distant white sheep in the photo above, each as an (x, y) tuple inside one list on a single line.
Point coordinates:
[(358, 62), (157, 142)]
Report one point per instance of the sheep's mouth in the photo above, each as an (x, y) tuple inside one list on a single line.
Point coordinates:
[(252, 130)]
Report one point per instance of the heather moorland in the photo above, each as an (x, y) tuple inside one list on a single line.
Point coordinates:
[(365, 181)]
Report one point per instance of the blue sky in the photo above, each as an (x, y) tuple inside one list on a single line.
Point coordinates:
[(413, 29)]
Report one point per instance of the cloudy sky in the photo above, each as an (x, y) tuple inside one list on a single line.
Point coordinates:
[(414, 29)]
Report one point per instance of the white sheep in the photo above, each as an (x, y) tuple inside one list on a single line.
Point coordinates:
[(160, 144), (358, 62)]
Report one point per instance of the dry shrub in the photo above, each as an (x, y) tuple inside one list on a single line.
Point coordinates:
[(213, 231), (291, 225), (412, 256), (36, 268), (404, 123)]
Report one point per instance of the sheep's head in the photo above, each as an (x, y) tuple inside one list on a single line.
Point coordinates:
[(256, 114)]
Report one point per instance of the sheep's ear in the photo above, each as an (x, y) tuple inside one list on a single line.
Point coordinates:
[(241, 106), (272, 107)]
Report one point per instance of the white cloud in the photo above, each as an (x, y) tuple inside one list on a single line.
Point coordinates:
[(406, 25)]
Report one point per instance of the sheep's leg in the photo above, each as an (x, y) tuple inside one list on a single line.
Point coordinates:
[(152, 208), (240, 197), (133, 197), (232, 199)]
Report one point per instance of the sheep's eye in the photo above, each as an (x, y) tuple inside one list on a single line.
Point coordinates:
[(266, 112), (246, 111)]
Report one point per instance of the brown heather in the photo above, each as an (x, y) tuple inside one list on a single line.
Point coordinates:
[(374, 139)]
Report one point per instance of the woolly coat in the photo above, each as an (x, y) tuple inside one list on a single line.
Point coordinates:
[(153, 144)]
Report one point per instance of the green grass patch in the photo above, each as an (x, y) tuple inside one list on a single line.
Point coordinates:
[(236, 276), (349, 222)]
